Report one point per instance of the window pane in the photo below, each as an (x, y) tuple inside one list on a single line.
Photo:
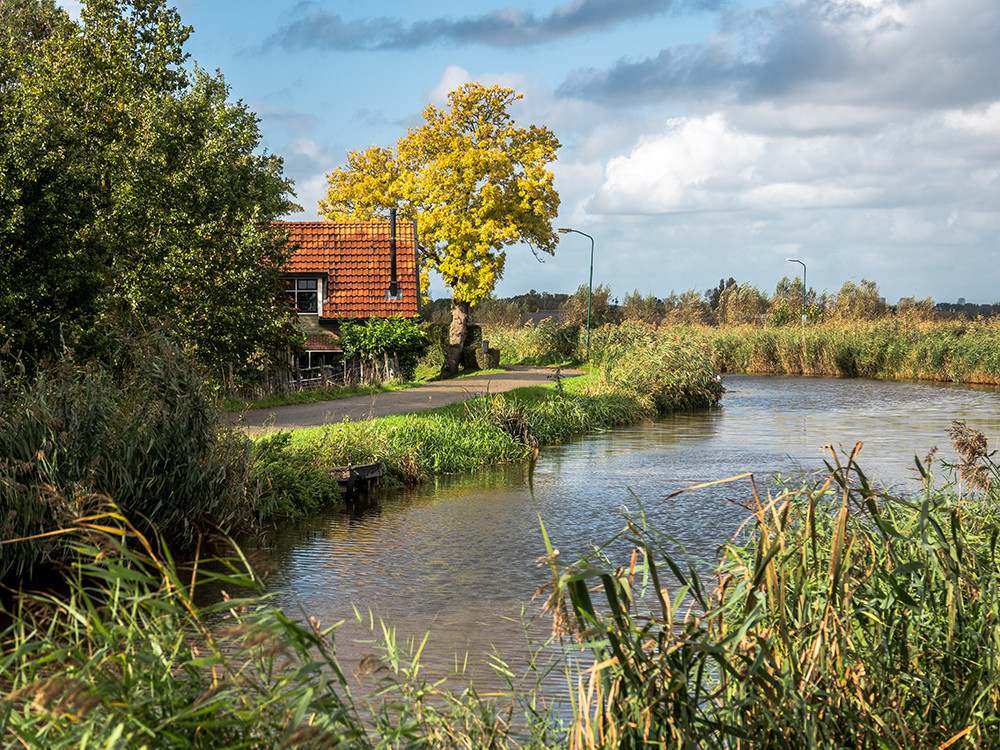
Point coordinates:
[(287, 284), (307, 302), (307, 283)]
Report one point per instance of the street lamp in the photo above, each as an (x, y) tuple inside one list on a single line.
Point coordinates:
[(590, 284), (796, 260)]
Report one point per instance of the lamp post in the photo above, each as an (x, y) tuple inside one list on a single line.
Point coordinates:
[(590, 283), (796, 260)]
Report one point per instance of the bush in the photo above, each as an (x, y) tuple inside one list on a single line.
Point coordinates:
[(290, 481), (392, 335), (547, 343), (437, 349), (147, 436)]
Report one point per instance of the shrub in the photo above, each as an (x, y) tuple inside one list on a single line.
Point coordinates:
[(392, 335), (147, 436), (437, 349)]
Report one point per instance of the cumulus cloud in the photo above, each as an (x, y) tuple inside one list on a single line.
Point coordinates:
[(708, 164), (885, 53), (504, 27)]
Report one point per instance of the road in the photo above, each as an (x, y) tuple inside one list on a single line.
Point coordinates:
[(421, 398)]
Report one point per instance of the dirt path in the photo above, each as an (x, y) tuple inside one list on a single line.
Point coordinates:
[(421, 398)]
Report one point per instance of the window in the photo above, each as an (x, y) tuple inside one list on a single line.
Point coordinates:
[(304, 294)]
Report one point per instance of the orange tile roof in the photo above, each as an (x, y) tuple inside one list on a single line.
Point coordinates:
[(355, 257)]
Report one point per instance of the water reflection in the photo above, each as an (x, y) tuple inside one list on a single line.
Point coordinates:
[(457, 555)]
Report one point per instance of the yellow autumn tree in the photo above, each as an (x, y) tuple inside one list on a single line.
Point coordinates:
[(475, 182)]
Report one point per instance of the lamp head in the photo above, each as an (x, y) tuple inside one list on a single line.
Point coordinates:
[(564, 230)]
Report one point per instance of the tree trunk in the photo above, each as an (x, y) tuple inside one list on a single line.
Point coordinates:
[(456, 337)]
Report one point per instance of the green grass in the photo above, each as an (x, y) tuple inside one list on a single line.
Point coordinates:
[(511, 426), (842, 616)]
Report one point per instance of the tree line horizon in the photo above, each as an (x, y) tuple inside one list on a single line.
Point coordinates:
[(729, 302)]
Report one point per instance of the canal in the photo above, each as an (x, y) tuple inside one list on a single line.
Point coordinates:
[(456, 557)]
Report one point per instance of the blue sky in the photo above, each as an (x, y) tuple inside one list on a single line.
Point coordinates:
[(701, 138)]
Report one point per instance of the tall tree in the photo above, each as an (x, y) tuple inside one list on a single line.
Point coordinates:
[(131, 186), (476, 183)]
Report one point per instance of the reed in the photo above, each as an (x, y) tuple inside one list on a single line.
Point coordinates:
[(143, 431), (130, 655), (846, 617), (896, 347), (842, 616), (890, 348)]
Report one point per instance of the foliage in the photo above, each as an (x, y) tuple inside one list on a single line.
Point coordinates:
[(894, 347), (863, 621), (476, 182), (741, 305), (130, 187), (547, 343), (141, 652), (688, 308), (392, 335), (438, 335), (602, 309), (666, 372), (143, 432), (290, 482), (858, 302), (712, 296), (492, 312), (648, 309)]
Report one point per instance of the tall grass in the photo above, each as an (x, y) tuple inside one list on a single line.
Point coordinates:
[(547, 343), (847, 617), (904, 347), (130, 656), (144, 433), (966, 352), (842, 617)]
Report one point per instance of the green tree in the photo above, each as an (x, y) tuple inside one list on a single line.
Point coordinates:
[(602, 309), (131, 187), (859, 302), (741, 304), (648, 309), (690, 307), (786, 304), (476, 182), (712, 296)]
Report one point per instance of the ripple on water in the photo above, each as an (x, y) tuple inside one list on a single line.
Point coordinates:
[(457, 555)]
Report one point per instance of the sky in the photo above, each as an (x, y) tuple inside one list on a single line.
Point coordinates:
[(701, 139)]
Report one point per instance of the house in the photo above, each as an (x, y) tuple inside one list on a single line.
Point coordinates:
[(348, 270)]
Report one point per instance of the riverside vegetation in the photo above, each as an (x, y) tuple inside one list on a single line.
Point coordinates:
[(892, 347), (842, 617)]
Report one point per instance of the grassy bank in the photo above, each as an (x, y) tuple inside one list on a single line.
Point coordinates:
[(897, 347), (841, 617), (143, 431), (961, 352), (642, 379)]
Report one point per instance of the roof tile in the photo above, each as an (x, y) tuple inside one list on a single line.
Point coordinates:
[(355, 256)]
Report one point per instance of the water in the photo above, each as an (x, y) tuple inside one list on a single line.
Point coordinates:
[(457, 556)]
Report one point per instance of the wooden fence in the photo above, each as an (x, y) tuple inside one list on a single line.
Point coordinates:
[(353, 371)]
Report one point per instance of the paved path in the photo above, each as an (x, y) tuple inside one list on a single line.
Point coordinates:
[(421, 398)]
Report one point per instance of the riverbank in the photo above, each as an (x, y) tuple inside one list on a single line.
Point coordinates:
[(896, 347), (638, 380), (842, 617)]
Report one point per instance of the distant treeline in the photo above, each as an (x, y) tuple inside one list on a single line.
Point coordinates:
[(730, 303)]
